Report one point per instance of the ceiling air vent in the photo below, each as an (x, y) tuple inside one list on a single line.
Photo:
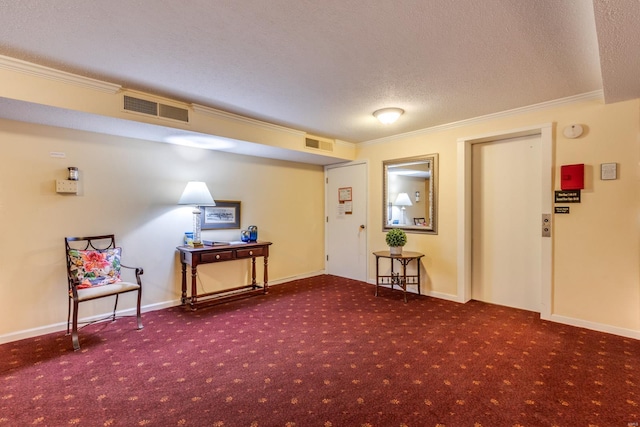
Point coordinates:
[(318, 144), (140, 105), (175, 113), (156, 109)]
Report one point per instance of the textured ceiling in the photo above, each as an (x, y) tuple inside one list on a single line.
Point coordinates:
[(324, 66)]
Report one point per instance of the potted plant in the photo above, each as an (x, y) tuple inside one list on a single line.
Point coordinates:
[(396, 239)]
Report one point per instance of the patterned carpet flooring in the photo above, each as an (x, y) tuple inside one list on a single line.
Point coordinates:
[(325, 352)]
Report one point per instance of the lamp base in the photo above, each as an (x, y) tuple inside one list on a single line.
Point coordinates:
[(197, 240)]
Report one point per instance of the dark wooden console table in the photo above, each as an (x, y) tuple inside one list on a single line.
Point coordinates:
[(395, 278), (221, 253)]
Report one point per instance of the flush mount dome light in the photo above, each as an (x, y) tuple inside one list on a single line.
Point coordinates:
[(388, 115), (209, 142)]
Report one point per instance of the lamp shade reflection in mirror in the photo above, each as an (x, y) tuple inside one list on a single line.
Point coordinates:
[(404, 179)]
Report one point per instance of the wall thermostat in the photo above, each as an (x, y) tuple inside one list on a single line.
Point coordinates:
[(572, 131)]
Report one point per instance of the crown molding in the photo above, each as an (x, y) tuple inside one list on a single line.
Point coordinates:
[(597, 94), (213, 112), (343, 143), (36, 70)]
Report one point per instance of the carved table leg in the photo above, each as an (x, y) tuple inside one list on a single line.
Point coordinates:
[(404, 278), (253, 273), (377, 275), (266, 274), (194, 289), (394, 278), (184, 284)]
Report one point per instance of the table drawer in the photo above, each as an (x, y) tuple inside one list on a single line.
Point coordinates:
[(216, 256), (250, 252)]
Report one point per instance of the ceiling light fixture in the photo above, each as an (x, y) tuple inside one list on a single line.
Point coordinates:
[(388, 115), (200, 141)]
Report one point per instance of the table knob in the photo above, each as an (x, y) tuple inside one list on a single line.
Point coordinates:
[(217, 256), (250, 252)]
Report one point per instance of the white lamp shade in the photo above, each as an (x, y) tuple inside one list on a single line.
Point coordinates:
[(388, 115), (196, 193), (403, 200)]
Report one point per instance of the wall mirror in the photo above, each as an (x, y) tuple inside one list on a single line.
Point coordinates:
[(409, 196)]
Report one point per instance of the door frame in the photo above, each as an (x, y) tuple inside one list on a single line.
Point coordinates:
[(464, 196), (366, 211)]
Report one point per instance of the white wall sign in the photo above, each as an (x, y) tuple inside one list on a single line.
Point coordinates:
[(608, 171)]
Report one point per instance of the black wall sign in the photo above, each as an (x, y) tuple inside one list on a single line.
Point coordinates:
[(568, 196), (562, 209)]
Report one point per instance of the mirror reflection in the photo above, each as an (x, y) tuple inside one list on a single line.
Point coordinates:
[(409, 194)]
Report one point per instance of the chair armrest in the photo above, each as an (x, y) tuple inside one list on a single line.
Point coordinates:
[(138, 270)]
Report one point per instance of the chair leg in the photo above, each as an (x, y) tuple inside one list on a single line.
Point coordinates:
[(74, 333), (115, 307), (139, 316), (68, 314)]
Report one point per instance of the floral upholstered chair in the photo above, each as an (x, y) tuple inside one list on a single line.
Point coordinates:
[(93, 271)]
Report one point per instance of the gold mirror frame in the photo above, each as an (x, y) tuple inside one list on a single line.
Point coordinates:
[(417, 178)]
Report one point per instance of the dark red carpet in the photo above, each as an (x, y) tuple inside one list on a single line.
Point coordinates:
[(325, 352)]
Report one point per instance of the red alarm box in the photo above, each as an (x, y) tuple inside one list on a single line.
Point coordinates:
[(572, 177)]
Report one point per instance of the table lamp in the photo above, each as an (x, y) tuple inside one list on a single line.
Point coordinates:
[(403, 200), (196, 194)]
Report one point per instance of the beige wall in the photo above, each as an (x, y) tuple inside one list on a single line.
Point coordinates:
[(596, 250), (131, 187)]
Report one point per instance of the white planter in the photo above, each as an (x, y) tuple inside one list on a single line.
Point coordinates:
[(395, 250)]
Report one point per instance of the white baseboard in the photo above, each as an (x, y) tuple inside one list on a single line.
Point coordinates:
[(438, 295), (62, 326), (296, 277), (34, 332), (448, 297), (594, 326), (623, 332)]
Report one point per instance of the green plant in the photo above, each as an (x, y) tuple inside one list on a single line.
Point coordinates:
[(396, 237)]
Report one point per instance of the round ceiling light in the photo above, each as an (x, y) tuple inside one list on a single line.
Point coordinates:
[(388, 115)]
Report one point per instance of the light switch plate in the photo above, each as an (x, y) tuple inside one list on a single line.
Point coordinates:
[(66, 186)]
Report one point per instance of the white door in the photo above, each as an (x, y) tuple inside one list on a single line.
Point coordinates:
[(506, 222), (346, 240)]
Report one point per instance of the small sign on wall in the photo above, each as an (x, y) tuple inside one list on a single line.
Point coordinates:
[(568, 196), (345, 203), (608, 171), (562, 209)]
